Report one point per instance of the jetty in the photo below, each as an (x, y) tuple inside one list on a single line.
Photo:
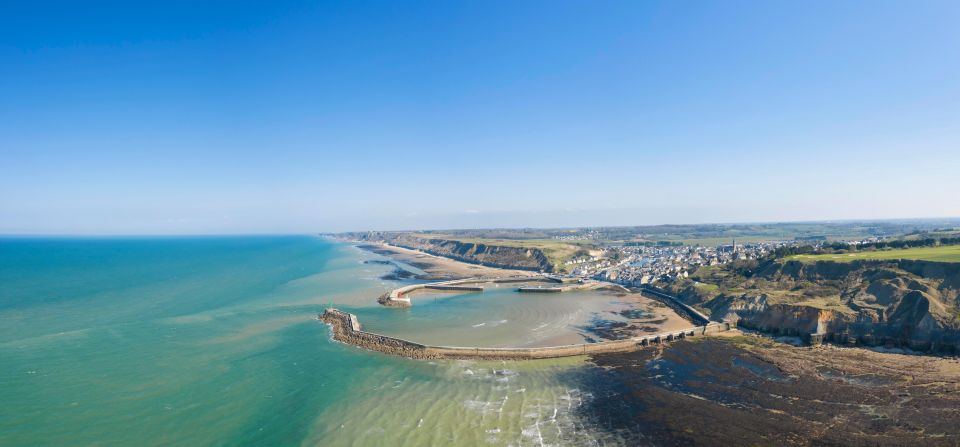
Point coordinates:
[(346, 328)]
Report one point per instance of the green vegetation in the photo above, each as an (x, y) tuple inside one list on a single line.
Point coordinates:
[(935, 233), (706, 287), (700, 234), (718, 234), (739, 278), (943, 253)]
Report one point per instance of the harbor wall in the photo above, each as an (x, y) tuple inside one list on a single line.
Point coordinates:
[(347, 329), (680, 307), (399, 297)]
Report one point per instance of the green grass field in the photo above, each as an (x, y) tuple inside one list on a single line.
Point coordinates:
[(944, 253), (706, 287)]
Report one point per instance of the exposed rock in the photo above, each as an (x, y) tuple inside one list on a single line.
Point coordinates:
[(899, 303), (721, 391)]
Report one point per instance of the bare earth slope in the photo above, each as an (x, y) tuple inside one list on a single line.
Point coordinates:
[(897, 302)]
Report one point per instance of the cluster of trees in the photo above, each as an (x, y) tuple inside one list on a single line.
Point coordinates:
[(794, 250), (580, 253), (843, 247), (745, 267), (898, 243)]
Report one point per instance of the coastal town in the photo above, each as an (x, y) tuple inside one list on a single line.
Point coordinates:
[(590, 257), (634, 266), (639, 265)]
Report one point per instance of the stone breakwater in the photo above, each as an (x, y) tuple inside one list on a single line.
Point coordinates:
[(347, 329), (400, 297)]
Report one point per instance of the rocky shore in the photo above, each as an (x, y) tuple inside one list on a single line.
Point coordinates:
[(719, 391)]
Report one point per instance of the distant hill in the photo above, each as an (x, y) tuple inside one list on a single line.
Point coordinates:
[(703, 234)]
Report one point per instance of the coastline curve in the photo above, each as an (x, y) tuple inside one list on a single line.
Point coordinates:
[(346, 328)]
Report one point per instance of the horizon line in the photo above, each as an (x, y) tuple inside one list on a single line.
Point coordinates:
[(323, 233)]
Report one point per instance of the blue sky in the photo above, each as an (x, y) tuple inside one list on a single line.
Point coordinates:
[(252, 117)]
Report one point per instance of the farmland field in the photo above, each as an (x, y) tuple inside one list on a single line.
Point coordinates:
[(944, 253)]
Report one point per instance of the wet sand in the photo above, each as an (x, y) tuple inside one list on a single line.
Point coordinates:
[(630, 316), (501, 317), (736, 389), (636, 315)]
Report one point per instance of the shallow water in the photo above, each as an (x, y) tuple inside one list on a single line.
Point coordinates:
[(200, 341), (497, 317)]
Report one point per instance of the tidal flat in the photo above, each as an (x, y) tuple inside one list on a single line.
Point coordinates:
[(721, 391)]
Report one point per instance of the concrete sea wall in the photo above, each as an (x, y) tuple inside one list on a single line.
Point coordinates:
[(347, 329), (455, 288), (399, 297), (590, 285), (540, 289), (678, 306)]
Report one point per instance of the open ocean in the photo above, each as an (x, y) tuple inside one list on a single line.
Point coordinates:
[(214, 341)]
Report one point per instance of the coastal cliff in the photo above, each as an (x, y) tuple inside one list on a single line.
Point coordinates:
[(901, 303), (490, 255)]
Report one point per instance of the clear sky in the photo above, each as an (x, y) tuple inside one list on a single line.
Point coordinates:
[(253, 117)]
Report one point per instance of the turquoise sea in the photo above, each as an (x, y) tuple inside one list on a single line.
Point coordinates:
[(214, 341)]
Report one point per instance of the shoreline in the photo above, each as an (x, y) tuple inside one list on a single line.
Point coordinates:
[(634, 322), (665, 315)]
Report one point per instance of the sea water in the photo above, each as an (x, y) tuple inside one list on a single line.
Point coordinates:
[(497, 317), (214, 341)]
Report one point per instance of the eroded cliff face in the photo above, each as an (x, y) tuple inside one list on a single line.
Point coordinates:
[(900, 303), (757, 313), (483, 254)]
